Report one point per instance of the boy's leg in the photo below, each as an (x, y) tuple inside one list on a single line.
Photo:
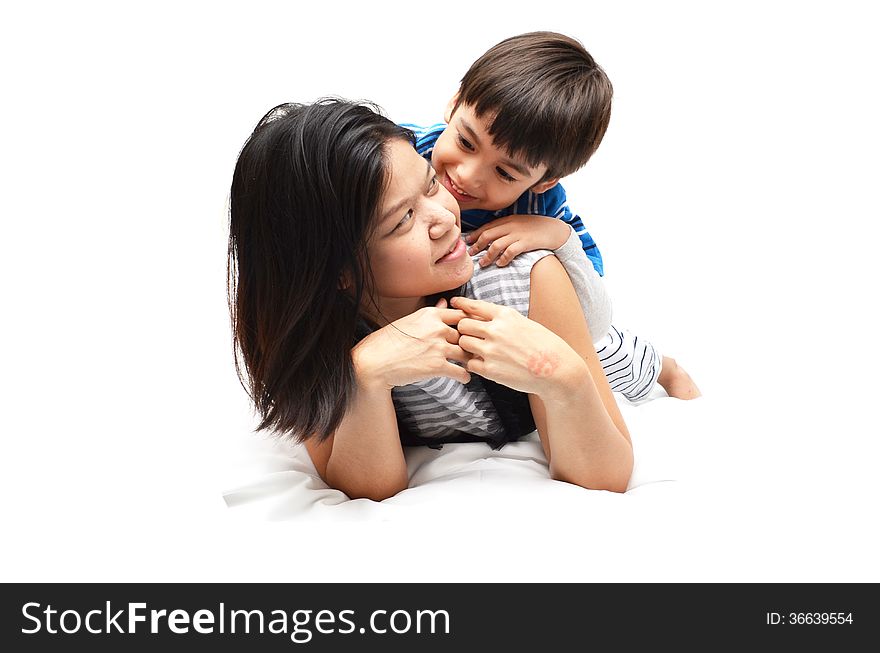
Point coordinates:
[(676, 381), (633, 366)]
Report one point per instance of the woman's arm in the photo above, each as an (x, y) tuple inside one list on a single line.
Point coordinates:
[(589, 286), (550, 356), (581, 428), (364, 457)]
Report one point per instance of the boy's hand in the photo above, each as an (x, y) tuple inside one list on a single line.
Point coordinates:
[(508, 237)]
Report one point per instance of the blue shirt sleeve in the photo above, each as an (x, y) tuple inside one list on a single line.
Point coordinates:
[(426, 137), (554, 204)]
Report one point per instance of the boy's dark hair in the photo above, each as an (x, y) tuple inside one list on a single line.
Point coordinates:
[(306, 188), (545, 97)]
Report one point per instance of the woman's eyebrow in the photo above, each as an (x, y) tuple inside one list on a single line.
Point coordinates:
[(395, 209), (429, 171)]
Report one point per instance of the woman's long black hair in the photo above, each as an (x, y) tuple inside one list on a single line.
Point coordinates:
[(306, 187)]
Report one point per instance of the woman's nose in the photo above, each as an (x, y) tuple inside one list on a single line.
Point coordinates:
[(442, 220)]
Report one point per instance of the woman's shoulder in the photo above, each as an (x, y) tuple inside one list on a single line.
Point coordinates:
[(509, 285)]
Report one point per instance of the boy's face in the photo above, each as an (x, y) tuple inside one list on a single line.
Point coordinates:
[(476, 173)]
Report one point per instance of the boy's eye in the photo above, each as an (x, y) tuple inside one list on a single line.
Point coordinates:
[(503, 174), (466, 144), (432, 186)]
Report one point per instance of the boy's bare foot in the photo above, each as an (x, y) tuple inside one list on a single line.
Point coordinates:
[(676, 381)]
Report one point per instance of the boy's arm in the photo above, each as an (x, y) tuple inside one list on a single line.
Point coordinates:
[(507, 237), (588, 245)]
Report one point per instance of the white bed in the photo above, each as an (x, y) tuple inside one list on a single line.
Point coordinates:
[(276, 480)]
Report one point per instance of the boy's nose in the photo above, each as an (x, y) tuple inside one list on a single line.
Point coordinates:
[(467, 174)]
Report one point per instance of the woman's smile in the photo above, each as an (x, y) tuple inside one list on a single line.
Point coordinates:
[(455, 252), (426, 255)]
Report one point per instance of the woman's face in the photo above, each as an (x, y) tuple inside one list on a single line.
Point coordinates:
[(416, 249)]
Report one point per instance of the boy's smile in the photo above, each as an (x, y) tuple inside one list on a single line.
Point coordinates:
[(475, 172), (456, 190)]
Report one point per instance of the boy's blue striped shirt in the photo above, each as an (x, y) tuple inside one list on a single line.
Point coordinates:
[(552, 203)]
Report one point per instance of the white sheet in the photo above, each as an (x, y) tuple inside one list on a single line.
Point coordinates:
[(469, 481)]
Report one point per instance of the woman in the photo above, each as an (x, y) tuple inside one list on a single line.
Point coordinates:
[(341, 243)]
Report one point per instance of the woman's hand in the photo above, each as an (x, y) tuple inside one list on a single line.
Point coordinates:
[(515, 351), (414, 348)]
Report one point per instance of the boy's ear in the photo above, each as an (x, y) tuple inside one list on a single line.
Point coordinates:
[(447, 115), (544, 186)]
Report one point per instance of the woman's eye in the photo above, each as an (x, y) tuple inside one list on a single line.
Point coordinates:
[(504, 175), (466, 144), (406, 218)]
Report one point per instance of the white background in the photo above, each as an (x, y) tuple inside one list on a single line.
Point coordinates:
[(735, 199)]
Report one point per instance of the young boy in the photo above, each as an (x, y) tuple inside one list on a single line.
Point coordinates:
[(531, 110)]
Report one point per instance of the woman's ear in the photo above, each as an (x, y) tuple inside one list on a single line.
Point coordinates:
[(450, 109), (544, 186), (344, 282)]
